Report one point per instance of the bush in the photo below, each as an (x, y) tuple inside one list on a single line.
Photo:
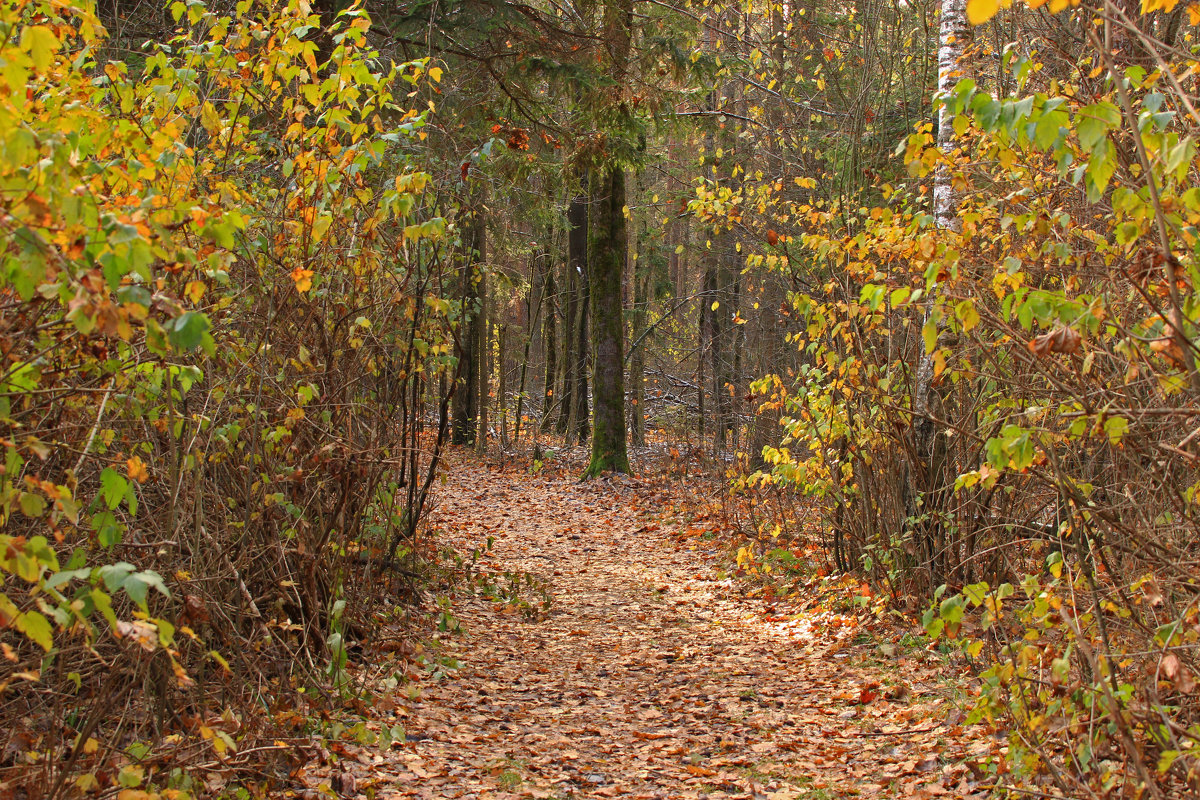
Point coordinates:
[(225, 326)]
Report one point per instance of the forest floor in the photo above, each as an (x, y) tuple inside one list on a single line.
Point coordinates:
[(653, 675)]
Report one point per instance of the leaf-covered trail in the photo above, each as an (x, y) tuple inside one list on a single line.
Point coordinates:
[(651, 678)]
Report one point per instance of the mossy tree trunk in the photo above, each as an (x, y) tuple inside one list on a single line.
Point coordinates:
[(606, 266)]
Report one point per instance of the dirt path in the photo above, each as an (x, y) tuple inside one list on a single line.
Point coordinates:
[(651, 678)]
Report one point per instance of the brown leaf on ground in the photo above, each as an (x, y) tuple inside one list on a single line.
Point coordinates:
[(651, 675)]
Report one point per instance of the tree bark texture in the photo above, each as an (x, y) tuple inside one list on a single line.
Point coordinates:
[(575, 408), (466, 397), (609, 247)]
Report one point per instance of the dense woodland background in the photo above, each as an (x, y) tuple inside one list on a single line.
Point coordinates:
[(916, 279)]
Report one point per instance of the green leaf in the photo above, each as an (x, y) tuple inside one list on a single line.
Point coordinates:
[(66, 576), (103, 603), (113, 487), (131, 776), (976, 592), (1047, 129), (952, 609), (1092, 124), (114, 575), (32, 505), (138, 585), (929, 332), (109, 532), (187, 330), (1100, 169), (1166, 760)]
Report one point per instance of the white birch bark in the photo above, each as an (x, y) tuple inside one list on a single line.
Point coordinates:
[(954, 34)]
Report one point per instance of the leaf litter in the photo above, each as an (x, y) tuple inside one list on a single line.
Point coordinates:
[(651, 675)]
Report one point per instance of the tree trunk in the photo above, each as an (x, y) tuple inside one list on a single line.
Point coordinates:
[(737, 345), (501, 335), (582, 428), (926, 482), (484, 374), (549, 337), (720, 328), (606, 266), (534, 308), (708, 338), (642, 275), (571, 294), (466, 397), (575, 383)]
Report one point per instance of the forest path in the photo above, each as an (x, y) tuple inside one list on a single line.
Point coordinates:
[(651, 678)]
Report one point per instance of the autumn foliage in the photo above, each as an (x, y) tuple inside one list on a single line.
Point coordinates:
[(1051, 518), (223, 310)]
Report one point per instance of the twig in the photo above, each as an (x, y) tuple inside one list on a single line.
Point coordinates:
[(95, 426)]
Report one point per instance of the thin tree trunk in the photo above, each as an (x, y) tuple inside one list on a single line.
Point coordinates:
[(582, 429), (575, 384), (737, 345), (549, 338), (533, 310), (707, 335), (466, 397), (501, 332), (484, 369), (571, 293), (926, 482), (637, 361), (719, 344)]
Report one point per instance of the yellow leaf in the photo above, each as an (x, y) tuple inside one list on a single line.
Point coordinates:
[(716, 304), (435, 74), (980, 11), (302, 278), (137, 469), (41, 44), (321, 226)]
